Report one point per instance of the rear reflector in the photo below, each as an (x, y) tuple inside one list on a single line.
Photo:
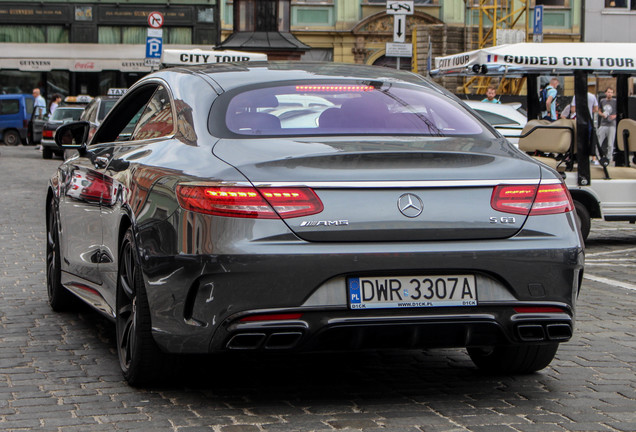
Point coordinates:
[(538, 309), (249, 202), (534, 200), (272, 317)]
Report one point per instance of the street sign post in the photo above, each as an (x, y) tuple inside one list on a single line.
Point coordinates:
[(154, 39), (399, 10), (399, 28), (399, 7), (155, 20), (399, 49), (537, 30)]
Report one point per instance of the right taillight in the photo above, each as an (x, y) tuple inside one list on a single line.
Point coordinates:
[(532, 199)]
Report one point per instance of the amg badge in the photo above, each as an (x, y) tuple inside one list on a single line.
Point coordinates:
[(324, 223)]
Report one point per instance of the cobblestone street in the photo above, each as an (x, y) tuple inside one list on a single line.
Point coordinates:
[(60, 372)]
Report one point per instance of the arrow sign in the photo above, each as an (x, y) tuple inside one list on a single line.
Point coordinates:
[(399, 28), (399, 7)]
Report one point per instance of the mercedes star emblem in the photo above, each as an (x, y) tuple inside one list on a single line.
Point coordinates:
[(410, 205)]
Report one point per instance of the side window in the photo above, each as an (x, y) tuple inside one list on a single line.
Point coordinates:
[(124, 118), (157, 119), (126, 133), (9, 106)]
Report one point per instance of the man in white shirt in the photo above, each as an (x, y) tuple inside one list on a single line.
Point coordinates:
[(592, 105), (39, 105)]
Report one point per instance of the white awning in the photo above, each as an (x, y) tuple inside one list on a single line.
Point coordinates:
[(556, 58), (73, 57), (173, 57), (98, 57)]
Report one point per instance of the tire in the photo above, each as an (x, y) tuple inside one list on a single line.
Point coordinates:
[(60, 299), (141, 361), (583, 217), (11, 137), (516, 359), (47, 153)]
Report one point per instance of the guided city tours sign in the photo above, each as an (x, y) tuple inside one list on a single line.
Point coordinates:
[(542, 57)]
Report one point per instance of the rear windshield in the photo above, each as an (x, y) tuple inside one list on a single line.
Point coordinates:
[(66, 114), (341, 109)]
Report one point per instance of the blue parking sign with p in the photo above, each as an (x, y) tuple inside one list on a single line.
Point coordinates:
[(153, 47)]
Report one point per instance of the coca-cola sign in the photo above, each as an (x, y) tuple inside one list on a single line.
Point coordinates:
[(84, 65)]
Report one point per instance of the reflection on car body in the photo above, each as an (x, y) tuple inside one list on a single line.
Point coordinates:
[(389, 217)]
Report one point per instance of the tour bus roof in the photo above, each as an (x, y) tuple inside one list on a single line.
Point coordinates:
[(541, 58), (197, 56)]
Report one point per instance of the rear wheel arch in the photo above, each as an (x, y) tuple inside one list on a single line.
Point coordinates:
[(124, 224)]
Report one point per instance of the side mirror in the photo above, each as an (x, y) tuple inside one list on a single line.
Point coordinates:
[(73, 136)]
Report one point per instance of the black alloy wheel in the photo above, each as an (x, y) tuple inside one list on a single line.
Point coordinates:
[(140, 359), (60, 298), (514, 359)]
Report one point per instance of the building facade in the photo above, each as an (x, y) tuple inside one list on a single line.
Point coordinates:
[(86, 48), (356, 31), (610, 21)]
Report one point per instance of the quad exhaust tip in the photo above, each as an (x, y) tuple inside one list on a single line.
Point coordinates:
[(547, 332)]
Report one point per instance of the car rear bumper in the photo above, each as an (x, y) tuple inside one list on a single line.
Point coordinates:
[(47, 143), (198, 302), (339, 330)]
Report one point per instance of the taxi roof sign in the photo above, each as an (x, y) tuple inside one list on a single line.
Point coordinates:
[(116, 91), (82, 99)]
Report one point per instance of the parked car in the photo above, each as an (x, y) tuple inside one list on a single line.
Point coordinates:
[(396, 219), (15, 112), (63, 114), (509, 118), (38, 123), (96, 110)]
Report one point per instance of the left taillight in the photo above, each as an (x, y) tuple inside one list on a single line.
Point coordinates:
[(249, 202), (532, 199), (47, 133)]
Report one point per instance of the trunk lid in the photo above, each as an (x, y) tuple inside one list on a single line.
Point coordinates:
[(395, 189)]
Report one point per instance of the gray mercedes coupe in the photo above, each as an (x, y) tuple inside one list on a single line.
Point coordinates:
[(291, 206)]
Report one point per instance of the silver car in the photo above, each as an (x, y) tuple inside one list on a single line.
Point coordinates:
[(201, 217)]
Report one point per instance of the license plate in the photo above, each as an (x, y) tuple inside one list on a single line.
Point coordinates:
[(411, 291)]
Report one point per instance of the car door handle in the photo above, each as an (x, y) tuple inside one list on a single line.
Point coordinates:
[(101, 162)]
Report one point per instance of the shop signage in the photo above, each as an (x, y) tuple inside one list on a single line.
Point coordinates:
[(139, 15), (24, 13)]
